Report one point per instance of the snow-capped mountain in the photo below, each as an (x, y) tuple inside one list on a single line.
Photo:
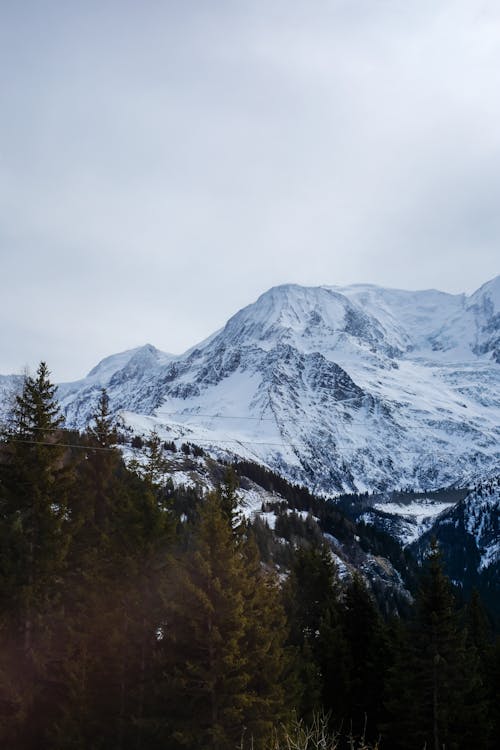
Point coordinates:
[(342, 388)]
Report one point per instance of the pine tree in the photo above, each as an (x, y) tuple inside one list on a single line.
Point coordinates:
[(270, 685), (36, 412), (34, 540), (367, 648), (475, 723), (154, 468), (103, 464), (228, 496), (311, 600), (96, 585), (204, 688), (120, 539), (113, 600), (440, 663), (220, 638), (103, 430)]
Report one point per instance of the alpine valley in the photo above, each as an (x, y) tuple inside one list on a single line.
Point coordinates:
[(385, 401)]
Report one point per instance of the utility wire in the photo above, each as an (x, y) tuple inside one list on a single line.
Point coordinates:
[(193, 416), (61, 445), (214, 442), (118, 445)]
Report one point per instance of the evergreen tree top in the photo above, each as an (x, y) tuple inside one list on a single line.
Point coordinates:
[(104, 430), (36, 409)]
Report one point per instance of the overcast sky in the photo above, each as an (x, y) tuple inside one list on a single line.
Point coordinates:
[(164, 163)]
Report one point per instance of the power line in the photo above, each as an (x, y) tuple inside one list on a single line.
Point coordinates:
[(214, 442), (217, 416), (61, 445), (119, 445), (194, 416)]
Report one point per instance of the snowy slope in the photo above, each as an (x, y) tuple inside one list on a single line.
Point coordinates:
[(406, 522), (342, 388)]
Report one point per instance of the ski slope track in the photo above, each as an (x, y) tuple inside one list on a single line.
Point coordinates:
[(340, 388)]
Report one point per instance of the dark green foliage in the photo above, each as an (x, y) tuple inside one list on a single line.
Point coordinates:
[(311, 600), (135, 615), (36, 412), (295, 529), (368, 656), (103, 431), (119, 540), (228, 498), (34, 539), (220, 655), (153, 466)]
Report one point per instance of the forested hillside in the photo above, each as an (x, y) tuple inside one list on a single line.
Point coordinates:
[(138, 616)]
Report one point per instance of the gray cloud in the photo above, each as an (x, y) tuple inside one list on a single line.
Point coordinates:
[(163, 163)]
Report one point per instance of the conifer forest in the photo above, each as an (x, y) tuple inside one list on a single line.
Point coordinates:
[(139, 616)]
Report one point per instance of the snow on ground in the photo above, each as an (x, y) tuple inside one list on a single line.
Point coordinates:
[(251, 502), (410, 521), (417, 511)]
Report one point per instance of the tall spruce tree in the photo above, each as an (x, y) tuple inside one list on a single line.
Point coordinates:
[(96, 615), (311, 600), (220, 637), (103, 463), (154, 466), (201, 646), (440, 665), (34, 486), (113, 602), (271, 688), (120, 536), (367, 658)]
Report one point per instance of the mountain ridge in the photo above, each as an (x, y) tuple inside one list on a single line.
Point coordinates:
[(341, 388)]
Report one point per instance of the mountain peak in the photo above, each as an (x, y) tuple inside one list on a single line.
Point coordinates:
[(146, 354), (107, 366), (358, 387)]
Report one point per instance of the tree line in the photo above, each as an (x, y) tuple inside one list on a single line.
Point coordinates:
[(133, 615)]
